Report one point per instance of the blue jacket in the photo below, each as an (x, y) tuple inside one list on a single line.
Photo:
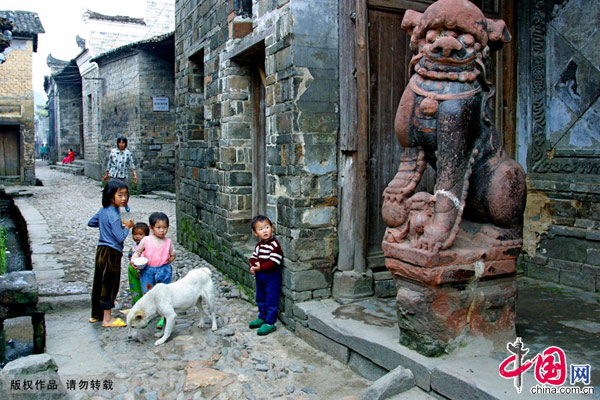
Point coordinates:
[(112, 233)]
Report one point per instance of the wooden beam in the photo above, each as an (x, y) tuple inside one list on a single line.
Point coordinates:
[(362, 130), (348, 140)]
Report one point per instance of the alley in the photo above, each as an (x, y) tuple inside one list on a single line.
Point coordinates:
[(231, 363)]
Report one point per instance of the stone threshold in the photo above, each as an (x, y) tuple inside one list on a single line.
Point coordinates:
[(365, 336)]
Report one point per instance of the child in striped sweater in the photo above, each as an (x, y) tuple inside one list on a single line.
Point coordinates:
[(265, 265)]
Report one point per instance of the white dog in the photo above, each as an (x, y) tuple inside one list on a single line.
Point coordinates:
[(165, 299)]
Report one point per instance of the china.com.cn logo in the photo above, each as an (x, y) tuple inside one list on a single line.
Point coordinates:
[(550, 369)]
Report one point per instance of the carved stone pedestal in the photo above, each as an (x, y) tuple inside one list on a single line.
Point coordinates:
[(467, 290)]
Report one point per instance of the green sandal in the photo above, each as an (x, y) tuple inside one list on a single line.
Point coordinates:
[(266, 329), (161, 323), (257, 323)]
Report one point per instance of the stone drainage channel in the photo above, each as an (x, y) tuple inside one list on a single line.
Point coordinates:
[(16, 337)]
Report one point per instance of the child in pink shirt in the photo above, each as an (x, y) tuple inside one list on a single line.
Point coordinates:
[(158, 250)]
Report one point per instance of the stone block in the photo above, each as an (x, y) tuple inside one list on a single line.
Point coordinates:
[(18, 288), (239, 29), (593, 256), (566, 248), (317, 216), (240, 179), (397, 381), (321, 293), (296, 296), (365, 367), (385, 288), (349, 285), (307, 280), (299, 312), (542, 272), (578, 280), (323, 343), (320, 159), (434, 319), (36, 367)]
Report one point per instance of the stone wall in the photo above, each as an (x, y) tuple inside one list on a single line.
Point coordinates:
[(215, 154), (120, 105), (561, 234), (70, 125), (91, 90), (16, 103), (156, 148)]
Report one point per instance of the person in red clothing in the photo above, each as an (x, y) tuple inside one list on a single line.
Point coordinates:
[(69, 158), (265, 264)]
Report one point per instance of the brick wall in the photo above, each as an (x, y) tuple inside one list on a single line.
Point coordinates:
[(16, 101), (215, 156), (562, 241), (562, 217)]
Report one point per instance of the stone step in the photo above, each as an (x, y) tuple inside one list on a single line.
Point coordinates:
[(164, 194), (69, 168), (49, 304)]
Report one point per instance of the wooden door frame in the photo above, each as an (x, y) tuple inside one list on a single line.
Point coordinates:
[(259, 165)]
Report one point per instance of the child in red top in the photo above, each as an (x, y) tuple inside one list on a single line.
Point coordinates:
[(69, 158), (265, 265)]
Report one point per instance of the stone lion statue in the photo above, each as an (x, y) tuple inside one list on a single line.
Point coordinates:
[(445, 119)]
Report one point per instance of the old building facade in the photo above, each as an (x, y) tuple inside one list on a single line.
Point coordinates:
[(17, 125), (281, 112), (136, 92), (103, 35), (258, 117)]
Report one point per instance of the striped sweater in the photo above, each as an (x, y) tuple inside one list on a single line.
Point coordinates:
[(268, 253)]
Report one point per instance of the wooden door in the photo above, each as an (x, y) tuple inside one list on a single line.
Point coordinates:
[(9, 150), (389, 57)]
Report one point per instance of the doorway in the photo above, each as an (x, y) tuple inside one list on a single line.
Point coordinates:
[(10, 154)]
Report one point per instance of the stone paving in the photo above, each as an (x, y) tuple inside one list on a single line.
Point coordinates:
[(231, 363)]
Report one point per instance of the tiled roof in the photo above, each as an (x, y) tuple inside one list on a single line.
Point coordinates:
[(27, 23), (114, 18), (142, 43)]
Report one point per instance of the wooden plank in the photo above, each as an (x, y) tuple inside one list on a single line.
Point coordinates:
[(259, 164), (347, 170), (347, 62), (508, 96), (418, 5)]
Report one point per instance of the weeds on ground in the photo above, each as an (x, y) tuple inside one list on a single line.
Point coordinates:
[(2, 250)]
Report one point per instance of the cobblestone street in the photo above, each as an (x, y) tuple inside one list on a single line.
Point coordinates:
[(231, 363)]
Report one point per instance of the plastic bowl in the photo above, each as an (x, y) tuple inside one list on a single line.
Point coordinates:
[(141, 262)]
